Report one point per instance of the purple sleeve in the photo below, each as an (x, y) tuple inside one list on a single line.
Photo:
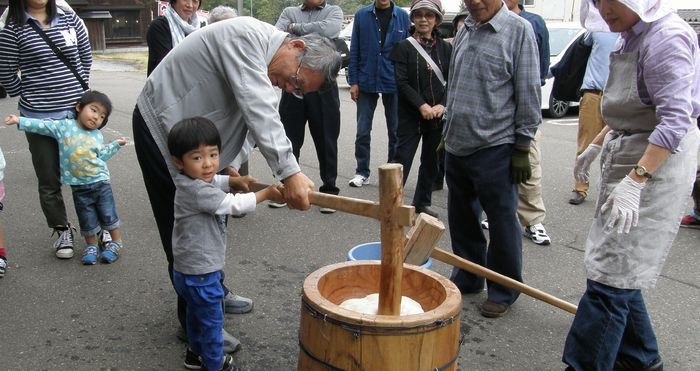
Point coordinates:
[(670, 74)]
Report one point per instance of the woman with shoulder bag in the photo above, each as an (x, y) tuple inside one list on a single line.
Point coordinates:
[(49, 86), (421, 63)]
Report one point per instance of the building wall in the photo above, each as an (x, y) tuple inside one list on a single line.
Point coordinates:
[(129, 22)]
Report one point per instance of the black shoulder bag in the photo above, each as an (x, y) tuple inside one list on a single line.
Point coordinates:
[(58, 53)]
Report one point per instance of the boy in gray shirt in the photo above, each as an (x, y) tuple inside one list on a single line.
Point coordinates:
[(202, 202)]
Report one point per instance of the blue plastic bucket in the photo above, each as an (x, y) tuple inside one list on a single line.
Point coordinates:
[(373, 251)]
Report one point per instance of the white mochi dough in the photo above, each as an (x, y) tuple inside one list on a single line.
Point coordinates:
[(370, 303)]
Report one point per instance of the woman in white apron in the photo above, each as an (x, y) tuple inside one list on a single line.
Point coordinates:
[(648, 161)]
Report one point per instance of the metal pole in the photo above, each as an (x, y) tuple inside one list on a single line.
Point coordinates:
[(240, 7)]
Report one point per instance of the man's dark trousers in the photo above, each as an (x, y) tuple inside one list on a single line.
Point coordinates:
[(483, 179), (322, 110)]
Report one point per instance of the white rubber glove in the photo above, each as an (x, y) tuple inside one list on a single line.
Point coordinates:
[(624, 201), (584, 161)]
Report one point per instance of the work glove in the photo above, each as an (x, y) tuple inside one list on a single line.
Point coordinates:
[(441, 146), (584, 161), (624, 201), (520, 165)]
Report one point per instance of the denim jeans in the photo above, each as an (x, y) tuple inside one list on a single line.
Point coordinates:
[(366, 103), (610, 323), (205, 315), (94, 204), (45, 160), (483, 179)]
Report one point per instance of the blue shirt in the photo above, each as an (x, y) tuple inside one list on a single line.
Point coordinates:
[(598, 66), (370, 61), (542, 38)]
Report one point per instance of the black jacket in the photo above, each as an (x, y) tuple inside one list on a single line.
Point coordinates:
[(417, 85), (159, 41)]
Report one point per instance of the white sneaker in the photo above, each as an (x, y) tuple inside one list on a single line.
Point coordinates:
[(64, 243), (358, 181), (537, 234), (276, 205)]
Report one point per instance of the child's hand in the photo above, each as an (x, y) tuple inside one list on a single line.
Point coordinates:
[(230, 171), (274, 193), (241, 183), (122, 141), (11, 120)]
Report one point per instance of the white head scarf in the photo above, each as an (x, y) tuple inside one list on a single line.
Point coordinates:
[(648, 10)]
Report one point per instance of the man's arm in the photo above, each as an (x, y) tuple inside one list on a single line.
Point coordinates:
[(329, 26), (285, 19), (296, 191), (526, 76), (353, 67)]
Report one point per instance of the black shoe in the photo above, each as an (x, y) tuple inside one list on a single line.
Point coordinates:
[(227, 364), (426, 210), (192, 360), (577, 198), (629, 364)]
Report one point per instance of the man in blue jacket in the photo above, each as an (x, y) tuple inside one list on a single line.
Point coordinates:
[(377, 27)]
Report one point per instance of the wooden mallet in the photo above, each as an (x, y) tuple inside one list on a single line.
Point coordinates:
[(420, 245)]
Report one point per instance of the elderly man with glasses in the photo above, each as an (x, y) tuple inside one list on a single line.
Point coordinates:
[(226, 73), (321, 109)]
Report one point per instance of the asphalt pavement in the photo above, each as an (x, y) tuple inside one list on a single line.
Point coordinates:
[(60, 315)]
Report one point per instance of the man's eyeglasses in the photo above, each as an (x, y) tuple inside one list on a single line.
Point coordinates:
[(296, 83)]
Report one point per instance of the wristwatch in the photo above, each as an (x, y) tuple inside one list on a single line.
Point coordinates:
[(642, 171)]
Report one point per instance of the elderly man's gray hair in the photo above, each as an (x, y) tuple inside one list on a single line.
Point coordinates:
[(220, 13), (321, 55)]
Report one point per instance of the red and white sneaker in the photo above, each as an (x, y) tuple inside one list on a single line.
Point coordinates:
[(690, 221)]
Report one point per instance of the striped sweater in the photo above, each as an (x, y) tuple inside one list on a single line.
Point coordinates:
[(44, 83)]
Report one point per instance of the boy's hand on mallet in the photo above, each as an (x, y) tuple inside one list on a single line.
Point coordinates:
[(230, 171), (241, 183), (122, 141), (12, 120)]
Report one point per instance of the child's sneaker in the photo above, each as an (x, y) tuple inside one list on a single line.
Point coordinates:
[(192, 360), (111, 252), (3, 266), (89, 255)]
